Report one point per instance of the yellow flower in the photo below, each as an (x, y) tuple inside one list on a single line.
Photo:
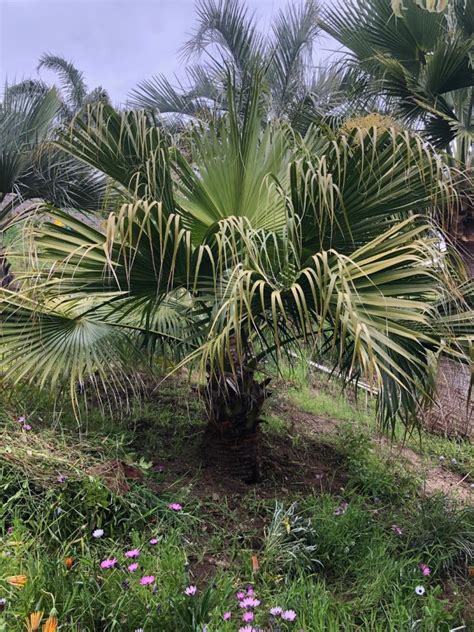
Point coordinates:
[(369, 121), (51, 624), (58, 222), (34, 620), (17, 580)]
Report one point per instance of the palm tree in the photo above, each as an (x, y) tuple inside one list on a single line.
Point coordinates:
[(261, 242), (227, 39), (72, 90), (419, 55), (32, 168)]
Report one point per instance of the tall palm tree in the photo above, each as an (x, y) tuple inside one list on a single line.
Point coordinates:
[(227, 38), (260, 242)]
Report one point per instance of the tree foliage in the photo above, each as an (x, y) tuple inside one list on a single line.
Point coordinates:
[(262, 240), (420, 56)]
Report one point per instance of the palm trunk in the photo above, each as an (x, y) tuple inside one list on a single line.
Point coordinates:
[(234, 401)]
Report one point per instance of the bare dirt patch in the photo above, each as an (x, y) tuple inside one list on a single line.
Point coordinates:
[(436, 479)]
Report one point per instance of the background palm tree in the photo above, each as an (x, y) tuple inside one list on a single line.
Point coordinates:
[(72, 89), (227, 39), (33, 169), (420, 57), (263, 242)]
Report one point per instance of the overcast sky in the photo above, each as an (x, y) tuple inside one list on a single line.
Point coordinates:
[(116, 43)]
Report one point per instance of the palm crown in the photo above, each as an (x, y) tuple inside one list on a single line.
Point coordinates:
[(72, 92), (263, 241)]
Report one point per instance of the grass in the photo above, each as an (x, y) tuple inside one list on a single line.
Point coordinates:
[(316, 536)]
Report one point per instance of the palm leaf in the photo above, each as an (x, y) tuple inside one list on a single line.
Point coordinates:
[(128, 147), (294, 31), (227, 24), (72, 79)]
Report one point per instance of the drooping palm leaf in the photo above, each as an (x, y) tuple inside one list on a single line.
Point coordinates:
[(128, 147)]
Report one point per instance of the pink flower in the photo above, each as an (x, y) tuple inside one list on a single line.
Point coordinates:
[(226, 616), (110, 563), (97, 533), (250, 591), (26, 427), (148, 579), (21, 419), (132, 553), (132, 567), (248, 616), (247, 628), (175, 506), (249, 602), (10, 530), (396, 529), (288, 615), (153, 541), (425, 569), (276, 611), (190, 591), (240, 595)]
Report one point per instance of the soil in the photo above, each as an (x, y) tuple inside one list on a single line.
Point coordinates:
[(285, 467), (303, 461), (435, 478)]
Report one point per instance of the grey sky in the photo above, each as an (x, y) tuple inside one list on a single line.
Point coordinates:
[(116, 43)]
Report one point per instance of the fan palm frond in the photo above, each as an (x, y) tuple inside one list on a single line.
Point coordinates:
[(25, 121), (128, 147), (420, 59)]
